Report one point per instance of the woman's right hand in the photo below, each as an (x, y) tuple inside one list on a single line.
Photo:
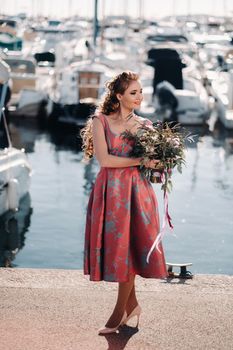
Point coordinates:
[(152, 163)]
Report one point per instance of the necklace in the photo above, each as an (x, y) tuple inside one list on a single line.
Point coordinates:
[(129, 116)]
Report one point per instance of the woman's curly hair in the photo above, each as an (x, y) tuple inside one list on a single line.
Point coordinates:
[(110, 104)]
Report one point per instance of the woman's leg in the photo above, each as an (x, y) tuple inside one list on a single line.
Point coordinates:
[(132, 301), (124, 291)]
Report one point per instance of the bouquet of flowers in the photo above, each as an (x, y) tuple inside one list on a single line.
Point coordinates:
[(160, 141), (164, 142)]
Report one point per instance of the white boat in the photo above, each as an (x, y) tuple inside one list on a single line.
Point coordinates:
[(222, 87), (15, 174), (78, 86), (28, 97), (176, 94), (15, 171), (213, 48)]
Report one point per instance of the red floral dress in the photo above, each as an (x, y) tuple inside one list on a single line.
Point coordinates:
[(122, 221)]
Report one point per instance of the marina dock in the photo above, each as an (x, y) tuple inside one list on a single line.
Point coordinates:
[(55, 62), (62, 310)]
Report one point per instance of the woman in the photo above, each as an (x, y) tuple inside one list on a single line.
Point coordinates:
[(122, 216)]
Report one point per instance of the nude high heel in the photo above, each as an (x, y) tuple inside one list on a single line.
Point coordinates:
[(136, 312), (106, 330)]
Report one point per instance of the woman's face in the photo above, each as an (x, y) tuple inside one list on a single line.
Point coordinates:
[(132, 97)]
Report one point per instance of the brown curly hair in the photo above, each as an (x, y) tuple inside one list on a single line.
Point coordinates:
[(110, 104)]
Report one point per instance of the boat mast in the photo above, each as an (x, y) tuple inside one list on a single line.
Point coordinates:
[(102, 27), (188, 8), (126, 20), (174, 8), (213, 7), (70, 12), (140, 9), (95, 24), (225, 8)]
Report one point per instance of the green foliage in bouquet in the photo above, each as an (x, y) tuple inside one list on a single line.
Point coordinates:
[(160, 141)]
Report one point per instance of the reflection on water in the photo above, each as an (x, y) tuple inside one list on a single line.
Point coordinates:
[(200, 204), (13, 227), (90, 172)]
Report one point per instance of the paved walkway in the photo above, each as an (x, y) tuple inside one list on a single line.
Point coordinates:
[(62, 310)]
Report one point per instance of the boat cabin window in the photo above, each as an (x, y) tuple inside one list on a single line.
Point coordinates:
[(88, 84)]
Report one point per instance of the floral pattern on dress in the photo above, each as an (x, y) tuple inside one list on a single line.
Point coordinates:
[(122, 221)]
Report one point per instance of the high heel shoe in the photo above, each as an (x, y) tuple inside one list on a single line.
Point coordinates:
[(106, 330), (136, 312)]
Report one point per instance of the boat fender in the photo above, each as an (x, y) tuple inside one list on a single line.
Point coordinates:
[(13, 194)]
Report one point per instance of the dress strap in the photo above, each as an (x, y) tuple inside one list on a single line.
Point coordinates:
[(101, 117)]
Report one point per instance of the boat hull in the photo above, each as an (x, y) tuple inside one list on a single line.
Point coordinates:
[(13, 165)]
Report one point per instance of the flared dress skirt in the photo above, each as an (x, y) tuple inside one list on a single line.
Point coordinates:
[(122, 221)]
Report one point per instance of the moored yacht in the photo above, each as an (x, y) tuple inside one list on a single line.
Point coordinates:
[(78, 88), (222, 87), (28, 98), (175, 95), (15, 171)]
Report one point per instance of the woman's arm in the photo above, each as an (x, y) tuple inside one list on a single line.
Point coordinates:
[(101, 150)]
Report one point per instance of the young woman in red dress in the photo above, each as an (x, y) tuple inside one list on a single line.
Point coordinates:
[(122, 217)]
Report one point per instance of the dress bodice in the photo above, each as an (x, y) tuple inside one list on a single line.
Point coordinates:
[(117, 146)]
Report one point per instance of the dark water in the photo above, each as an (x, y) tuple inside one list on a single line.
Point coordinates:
[(48, 230)]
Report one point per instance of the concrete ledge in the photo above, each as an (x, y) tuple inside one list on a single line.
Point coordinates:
[(62, 309)]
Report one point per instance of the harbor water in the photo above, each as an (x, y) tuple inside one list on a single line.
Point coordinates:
[(48, 229)]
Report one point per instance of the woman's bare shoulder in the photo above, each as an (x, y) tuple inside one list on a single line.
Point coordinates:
[(99, 115)]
